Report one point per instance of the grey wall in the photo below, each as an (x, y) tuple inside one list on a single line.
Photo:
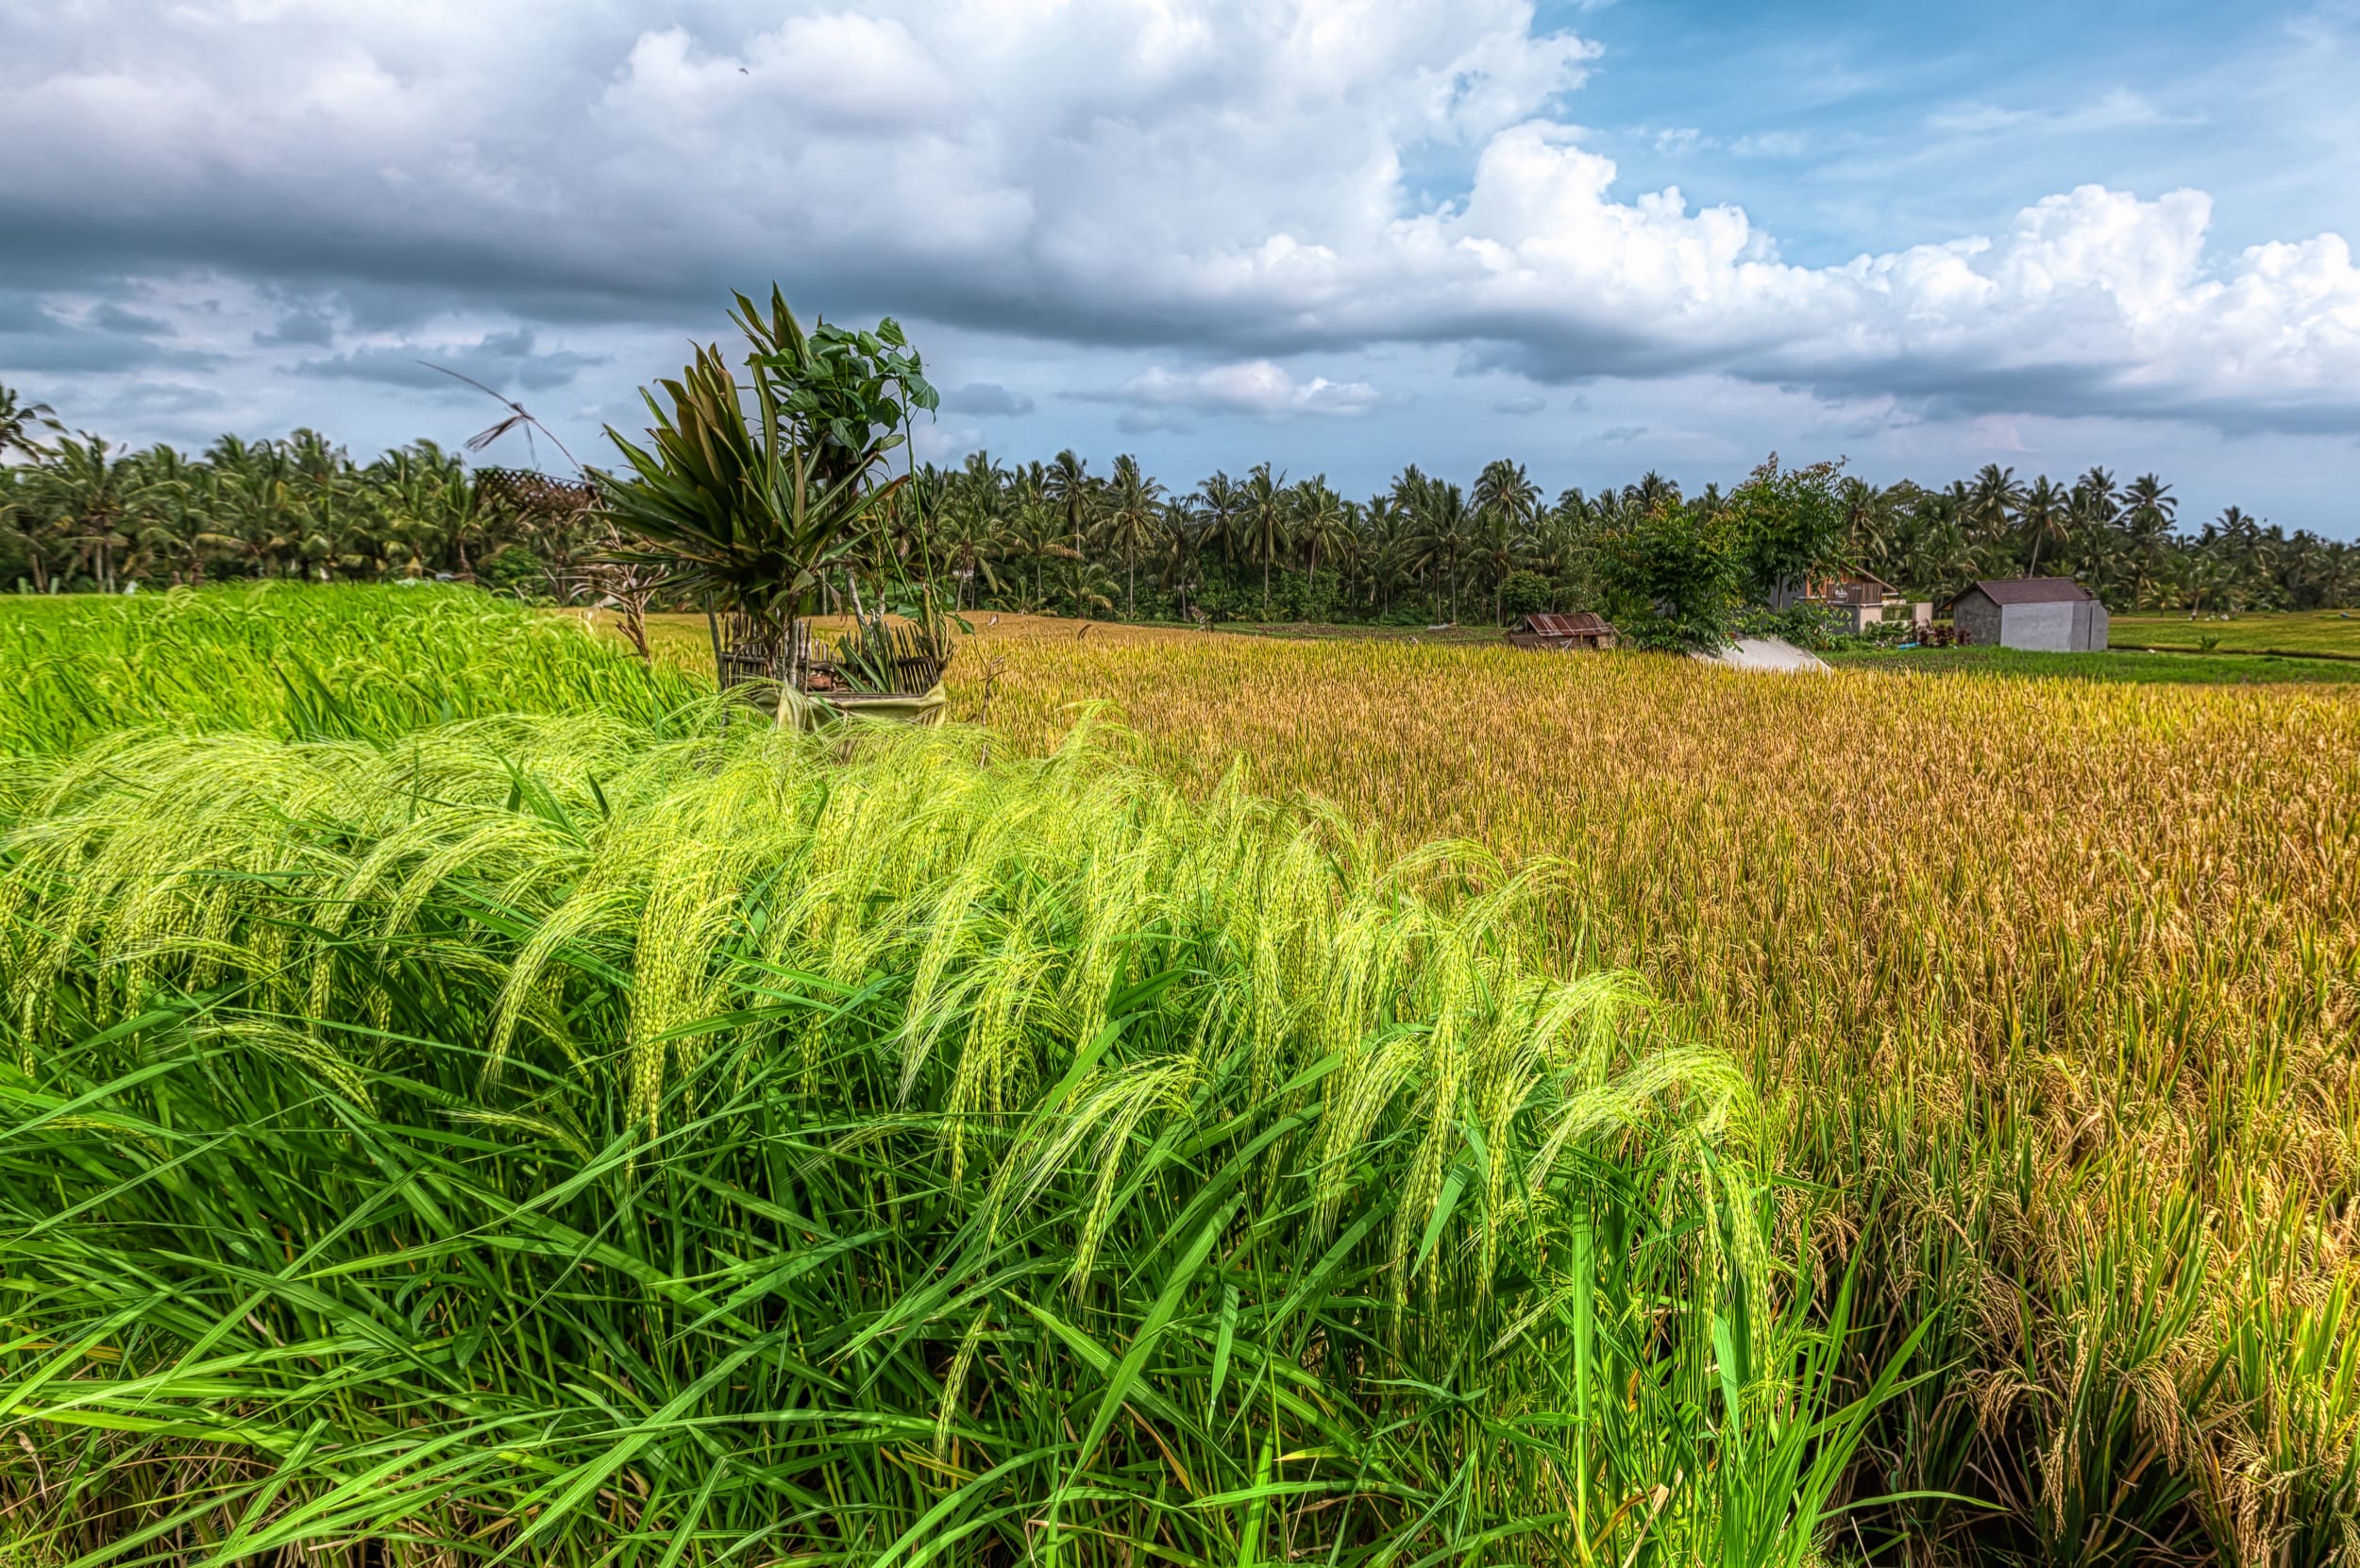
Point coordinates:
[(1979, 619), (2043, 627), (2089, 626)]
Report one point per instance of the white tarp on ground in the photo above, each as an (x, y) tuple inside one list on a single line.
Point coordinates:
[(1775, 654)]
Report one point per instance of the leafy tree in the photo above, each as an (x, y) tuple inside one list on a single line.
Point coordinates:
[(1675, 573), (1790, 523)]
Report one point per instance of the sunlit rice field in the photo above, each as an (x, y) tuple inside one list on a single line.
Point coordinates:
[(527, 1082), (2053, 985)]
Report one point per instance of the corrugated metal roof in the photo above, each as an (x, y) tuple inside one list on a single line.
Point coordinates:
[(1581, 623), (2031, 590)]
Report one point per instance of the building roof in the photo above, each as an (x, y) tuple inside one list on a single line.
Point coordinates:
[(1581, 623), (2031, 590)]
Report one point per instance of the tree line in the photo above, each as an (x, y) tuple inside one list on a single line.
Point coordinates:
[(78, 512), (1054, 536)]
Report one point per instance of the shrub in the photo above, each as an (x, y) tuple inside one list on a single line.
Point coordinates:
[(1525, 592)]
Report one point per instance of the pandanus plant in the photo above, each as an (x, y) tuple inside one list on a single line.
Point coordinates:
[(755, 507)]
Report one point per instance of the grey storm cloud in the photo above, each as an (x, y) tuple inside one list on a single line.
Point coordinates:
[(501, 360), (112, 341), (308, 329), (112, 317), (1215, 180), (986, 397)]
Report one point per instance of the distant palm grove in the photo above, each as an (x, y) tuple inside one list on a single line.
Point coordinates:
[(79, 513)]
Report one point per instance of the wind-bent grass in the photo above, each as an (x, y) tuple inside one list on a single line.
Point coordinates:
[(307, 663), (527, 1139)]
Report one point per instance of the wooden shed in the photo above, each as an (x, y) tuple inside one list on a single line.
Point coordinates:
[(1856, 597), (1583, 629)]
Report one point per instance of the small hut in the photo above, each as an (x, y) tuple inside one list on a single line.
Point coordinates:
[(1583, 629), (2052, 614), (1855, 598)]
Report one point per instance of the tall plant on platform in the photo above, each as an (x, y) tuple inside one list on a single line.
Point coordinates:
[(755, 492)]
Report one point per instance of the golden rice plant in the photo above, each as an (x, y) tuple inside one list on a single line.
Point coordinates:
[(2052, 989)]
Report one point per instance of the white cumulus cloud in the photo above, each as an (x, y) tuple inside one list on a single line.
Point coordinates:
[(1195, 180)]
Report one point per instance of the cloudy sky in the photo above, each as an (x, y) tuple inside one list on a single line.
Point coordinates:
[(1599, 238)]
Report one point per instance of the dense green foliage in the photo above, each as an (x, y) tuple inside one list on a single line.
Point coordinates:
[(1683, 565), (1789, 526), (535, 1136), (1425, 550)]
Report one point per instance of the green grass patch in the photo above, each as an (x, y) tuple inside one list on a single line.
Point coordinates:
[(2331, 631), (2111, 665), (304, 662)]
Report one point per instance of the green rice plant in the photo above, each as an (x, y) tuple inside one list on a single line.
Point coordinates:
[(304, 662), (538, 1139)]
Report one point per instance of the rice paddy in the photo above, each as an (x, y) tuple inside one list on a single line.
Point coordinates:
[(502, 1106)]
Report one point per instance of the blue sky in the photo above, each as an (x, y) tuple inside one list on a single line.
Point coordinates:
[(1341, 235), (1869, 125)]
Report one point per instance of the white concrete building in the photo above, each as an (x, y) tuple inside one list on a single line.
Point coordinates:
[(2048, 614)]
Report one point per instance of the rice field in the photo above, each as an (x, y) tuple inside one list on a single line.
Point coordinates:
[(2332, 632), (1353, 1102), (2052, 989)]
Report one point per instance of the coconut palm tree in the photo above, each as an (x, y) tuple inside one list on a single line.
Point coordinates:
[(1384, 531), (1182, 535), (100, 493), (971, 526), (1494, 552), (1322, 522), (1504, 488), (2150, 513), (27, 528), (1991, 511), (1033, 526), (19, 419), (1134, 512), (1265, 519), (170, 528), (1217, 503), (1071, 489), (1442, 531), (2043, 513)]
